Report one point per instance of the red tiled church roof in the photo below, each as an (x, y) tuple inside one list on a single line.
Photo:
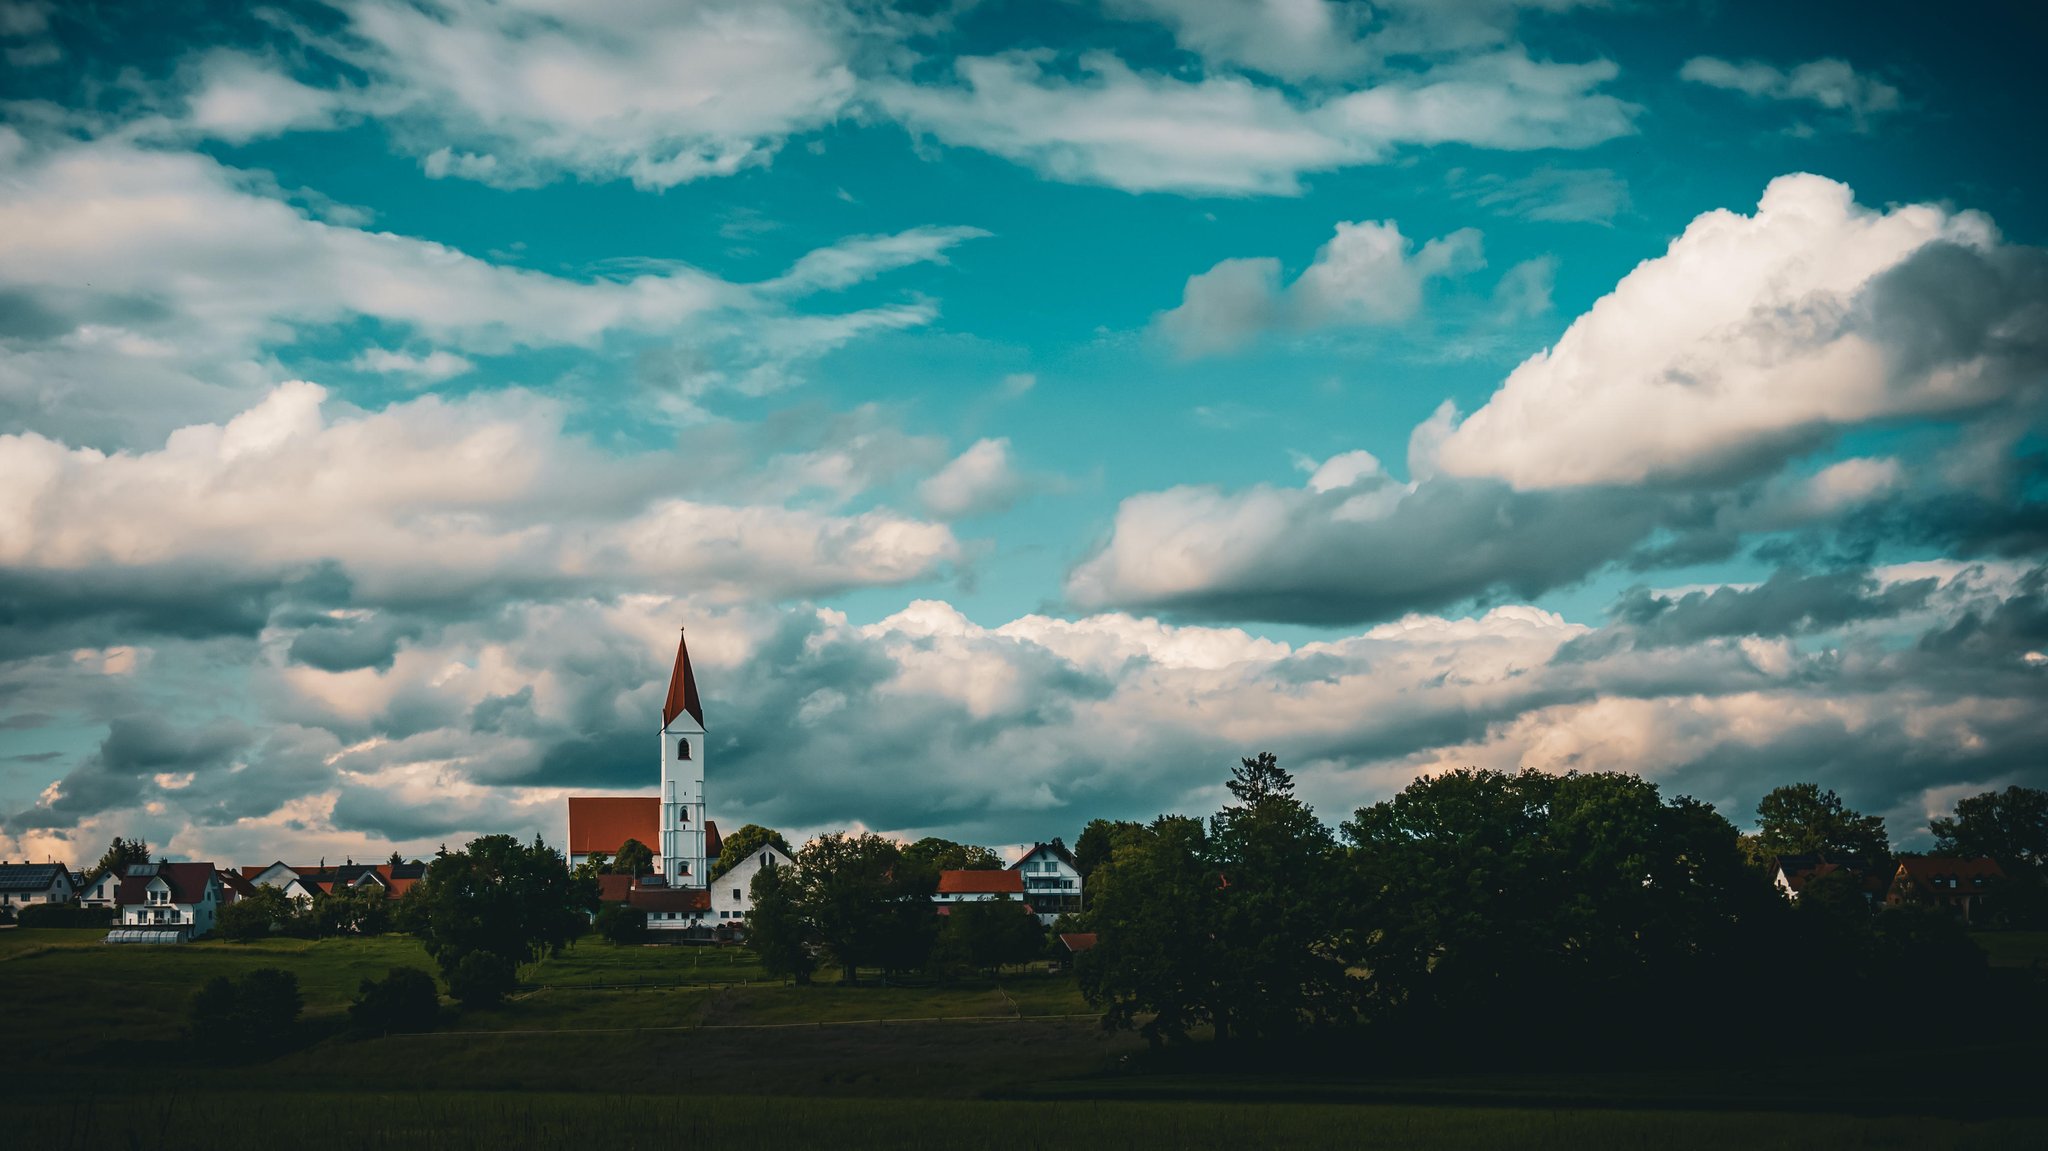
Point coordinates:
[(603, 823), (682, 689), (981, 883)]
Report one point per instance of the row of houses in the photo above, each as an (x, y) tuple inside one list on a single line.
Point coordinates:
[(176, 902), (1953, 883)]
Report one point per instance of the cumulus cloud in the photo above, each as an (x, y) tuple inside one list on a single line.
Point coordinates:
[(978, 481), (421, 499), (1753, 338), (1368, 273), (1225, 135), (517, 94), (1830, 83), (238, 97), (1029, 728)]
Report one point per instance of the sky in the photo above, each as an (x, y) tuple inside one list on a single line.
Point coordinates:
[(1028, 408)]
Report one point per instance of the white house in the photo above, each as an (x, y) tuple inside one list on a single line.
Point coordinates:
[(1052, 880), (101, 892), (732, 893), (24, 884), (166, 903)]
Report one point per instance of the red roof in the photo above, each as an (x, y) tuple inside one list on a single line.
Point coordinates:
[(614, 888), (670, 898), (1078, 940), (1926, 868), (603, 823), (187, 882), (713, 842), (233, 886), (981, 883), (682, 689)]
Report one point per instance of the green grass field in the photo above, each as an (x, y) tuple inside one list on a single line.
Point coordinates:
[(977, 1063)]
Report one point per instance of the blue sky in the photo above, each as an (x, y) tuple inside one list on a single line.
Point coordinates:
[(1029, 407)]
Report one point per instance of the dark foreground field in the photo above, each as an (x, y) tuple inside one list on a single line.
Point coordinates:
[(644, 1047)]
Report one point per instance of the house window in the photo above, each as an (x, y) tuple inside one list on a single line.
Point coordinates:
[(682, 749), (735, 893)]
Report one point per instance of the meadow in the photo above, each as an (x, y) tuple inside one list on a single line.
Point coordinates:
[(980, 1063)]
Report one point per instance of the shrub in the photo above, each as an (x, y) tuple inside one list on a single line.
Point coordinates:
[(404, 1000), (65, 915), (480, 979), (252, 1012), (622, 924)]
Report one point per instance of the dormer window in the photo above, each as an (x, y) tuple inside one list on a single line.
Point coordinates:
[(682, 749)]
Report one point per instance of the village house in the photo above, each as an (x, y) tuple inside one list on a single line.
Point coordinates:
[(977, 886), (166, 902), (101, 892), (1052, 880), (1954, 884), (1793, 874), (732, 892), (304, 881), (24, 884)]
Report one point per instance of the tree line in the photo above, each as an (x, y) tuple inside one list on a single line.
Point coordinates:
[(1525, 912)]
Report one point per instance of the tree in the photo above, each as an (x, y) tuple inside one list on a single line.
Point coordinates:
[(396, 860), (120, 855), (746, 841), (404, 1000), (481, 979), (634, 858), (1098, 841), (621, 924), (364, 909), (1155, 908), (2009, 826), (987, 934), (1802, 819), (863, 906), (776, 930), (499, 898), (254, 1011), (935, 855), (257, 915)]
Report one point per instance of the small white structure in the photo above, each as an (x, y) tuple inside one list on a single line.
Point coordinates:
[(101, 892), (166, 902), (25, 884), (1052, 880), (732, 893)]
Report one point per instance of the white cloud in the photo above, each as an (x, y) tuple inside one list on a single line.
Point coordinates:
[(1368, 273), (145, 263), (978, 481), (1225, 135), (518, 93), (437, 365), (426, 496), (238, 97), (1833, 84), (1753, 335)]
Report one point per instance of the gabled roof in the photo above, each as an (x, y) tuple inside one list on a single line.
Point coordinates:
[(714, 843), (31, 876), (1056, 847), (981, 883), (670, 898), (1926, 868), (1077, 941), (603, 823), (682, 689), (187, 882), (236, 885)]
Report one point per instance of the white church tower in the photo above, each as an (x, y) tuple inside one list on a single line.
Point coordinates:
[(682, 778)]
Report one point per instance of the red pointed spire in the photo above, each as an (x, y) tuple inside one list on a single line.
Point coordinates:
[(682, 689)]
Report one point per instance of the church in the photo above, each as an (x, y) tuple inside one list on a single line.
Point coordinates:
[(678, 895)]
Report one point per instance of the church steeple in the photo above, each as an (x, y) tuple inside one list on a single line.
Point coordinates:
[(682, 688)]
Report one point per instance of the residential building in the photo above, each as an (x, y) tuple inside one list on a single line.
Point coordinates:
[(1793, 874), (976, 886), (166, 902), (304, 881), (24, 884), (732, 892), (1952, 883), (101, 892), (1052, 880)]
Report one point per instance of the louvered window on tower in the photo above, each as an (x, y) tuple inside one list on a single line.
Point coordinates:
[(683, 749)]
